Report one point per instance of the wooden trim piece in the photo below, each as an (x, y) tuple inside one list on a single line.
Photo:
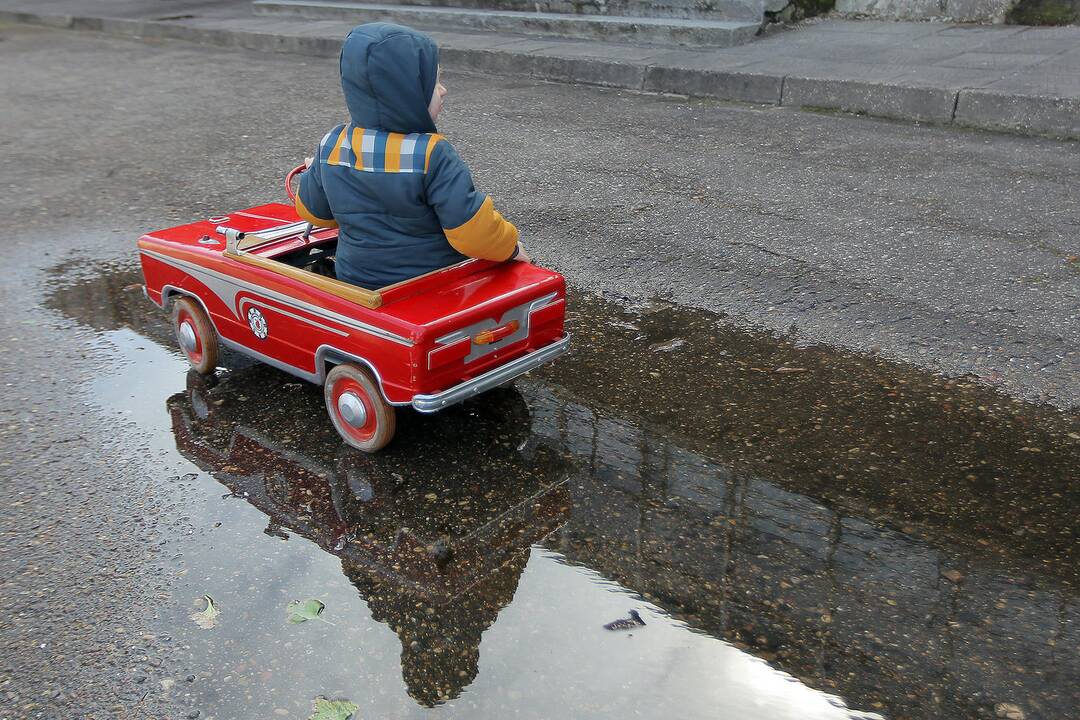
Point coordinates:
[(353, 293), (251, 241)]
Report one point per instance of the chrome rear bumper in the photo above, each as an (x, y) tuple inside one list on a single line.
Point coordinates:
[(492, 378)]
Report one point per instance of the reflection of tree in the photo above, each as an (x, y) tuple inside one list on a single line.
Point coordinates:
[(440, 641), (845, 603), (433, 534)]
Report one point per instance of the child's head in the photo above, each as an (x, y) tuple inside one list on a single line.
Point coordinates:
[(390, 77), (437, 95)]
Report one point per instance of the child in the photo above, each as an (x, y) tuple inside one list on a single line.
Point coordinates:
[(402, 197)]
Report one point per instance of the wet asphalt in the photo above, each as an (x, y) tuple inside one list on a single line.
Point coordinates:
[(804, 524)]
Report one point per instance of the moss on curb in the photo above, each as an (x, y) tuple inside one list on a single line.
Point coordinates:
[(1044, 12), (810, 8), (797, 10)]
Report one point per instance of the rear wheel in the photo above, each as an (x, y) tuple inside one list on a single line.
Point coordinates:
[(196, 335), (356, 407)]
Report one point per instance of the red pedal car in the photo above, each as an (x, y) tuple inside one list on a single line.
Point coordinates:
[(260, 281)]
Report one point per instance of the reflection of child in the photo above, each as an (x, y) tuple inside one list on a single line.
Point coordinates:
[(402, 197)]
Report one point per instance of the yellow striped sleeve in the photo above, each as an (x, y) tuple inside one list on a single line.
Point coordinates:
[(393, 152), (335, 154), (485, 235), (358, 147), (432, 142), (306, 214)]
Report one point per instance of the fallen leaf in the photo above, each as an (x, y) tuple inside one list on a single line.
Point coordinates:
[(308, 610), (1009, 711), (333, 709), (953, 575), (207, 618)]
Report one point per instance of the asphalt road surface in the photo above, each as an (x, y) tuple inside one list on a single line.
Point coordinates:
[(939, 265)]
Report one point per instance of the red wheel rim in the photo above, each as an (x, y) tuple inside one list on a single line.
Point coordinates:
[(364, 432), (195, 355)]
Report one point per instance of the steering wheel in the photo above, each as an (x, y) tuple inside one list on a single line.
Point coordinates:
[(289, 178)]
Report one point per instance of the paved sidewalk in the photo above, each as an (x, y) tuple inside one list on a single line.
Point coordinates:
[(1011, 78)]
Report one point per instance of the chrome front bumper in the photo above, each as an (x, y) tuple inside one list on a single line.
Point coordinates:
[(492, 378)]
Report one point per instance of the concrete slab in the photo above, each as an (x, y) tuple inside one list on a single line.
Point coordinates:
[(884, 27), (698, 60), (1038, 84), (623, 53), (508, 43), (993, 61), (997, 32), (948, 78), (823, 70), (1049, 40), (468, 41), (721, 32), (1068, 61)]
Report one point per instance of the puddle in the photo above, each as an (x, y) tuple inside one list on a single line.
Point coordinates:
[(795, 526)]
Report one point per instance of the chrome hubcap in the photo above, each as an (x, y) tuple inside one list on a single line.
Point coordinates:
[(351, 409), (187, 337)]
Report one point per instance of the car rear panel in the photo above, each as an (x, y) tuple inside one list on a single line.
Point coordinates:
[(481, 320)]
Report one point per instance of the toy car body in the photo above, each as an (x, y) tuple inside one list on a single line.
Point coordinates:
[(262, 283)]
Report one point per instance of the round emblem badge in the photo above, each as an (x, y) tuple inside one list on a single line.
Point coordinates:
[(258, 323)]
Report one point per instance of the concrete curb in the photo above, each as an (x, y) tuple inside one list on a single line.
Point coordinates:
[(1057, 118)]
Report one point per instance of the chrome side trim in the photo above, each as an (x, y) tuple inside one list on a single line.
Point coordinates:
[(490, 379), (285, 367), (322, 354), (219, 277), (250, 301)]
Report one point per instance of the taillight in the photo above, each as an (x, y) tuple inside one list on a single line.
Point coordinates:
[(486, 337), (475, 341)]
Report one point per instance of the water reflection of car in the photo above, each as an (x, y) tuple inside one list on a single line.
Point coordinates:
[(436, 553)]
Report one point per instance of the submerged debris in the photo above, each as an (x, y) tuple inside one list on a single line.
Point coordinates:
[(668, 346), (333, 709), (207, 618), (626, 623), (307, 610)]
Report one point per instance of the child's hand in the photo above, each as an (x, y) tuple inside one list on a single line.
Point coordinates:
[(308, 161), (522, 256)]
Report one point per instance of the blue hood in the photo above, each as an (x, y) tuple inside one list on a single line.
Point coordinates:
[(388, 73)]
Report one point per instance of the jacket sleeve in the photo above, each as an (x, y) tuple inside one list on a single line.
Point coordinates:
[(311, 203), (469, 219)]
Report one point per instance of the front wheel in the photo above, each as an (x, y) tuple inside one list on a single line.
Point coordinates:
[(196, 335), (356, 407)]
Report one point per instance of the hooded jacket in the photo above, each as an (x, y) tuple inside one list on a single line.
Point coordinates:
[(403, 199)]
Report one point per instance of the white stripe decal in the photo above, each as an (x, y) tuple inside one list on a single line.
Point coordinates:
[(278, 310), (219, 277)]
